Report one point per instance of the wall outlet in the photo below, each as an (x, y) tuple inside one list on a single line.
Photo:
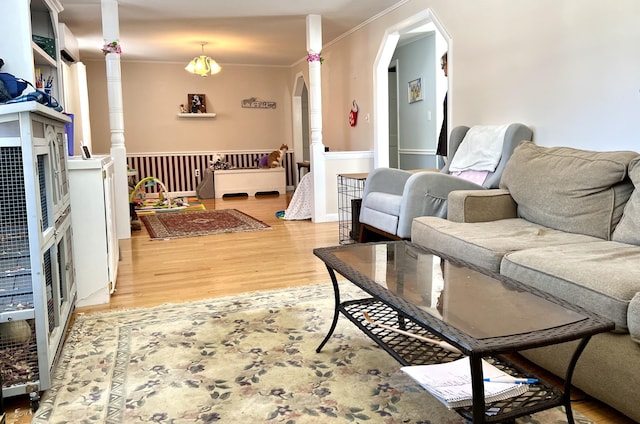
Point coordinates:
[(196, 172)]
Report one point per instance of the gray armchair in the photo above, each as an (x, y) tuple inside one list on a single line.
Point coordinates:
[(393, 197)]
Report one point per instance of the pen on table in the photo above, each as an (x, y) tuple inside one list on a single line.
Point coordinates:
[(512, 380)]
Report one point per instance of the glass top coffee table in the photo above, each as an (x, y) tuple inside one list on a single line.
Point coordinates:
[(412, 291)]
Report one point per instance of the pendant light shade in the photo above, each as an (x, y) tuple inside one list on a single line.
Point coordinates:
[(203, 65)]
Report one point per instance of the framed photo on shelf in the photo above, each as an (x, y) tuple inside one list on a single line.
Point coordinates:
[(196, 103), (415, 90)]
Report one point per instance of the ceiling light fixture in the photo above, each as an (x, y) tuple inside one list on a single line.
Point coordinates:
[(203, 65)]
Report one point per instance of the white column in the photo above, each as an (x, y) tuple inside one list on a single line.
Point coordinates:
[(314, 47), (111, 33)]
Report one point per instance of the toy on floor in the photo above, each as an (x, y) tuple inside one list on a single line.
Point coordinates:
[(139, 193)]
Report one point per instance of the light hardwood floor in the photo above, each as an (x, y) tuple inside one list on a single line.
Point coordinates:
[(156, 272)]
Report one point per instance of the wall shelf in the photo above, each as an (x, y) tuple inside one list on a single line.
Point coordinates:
[(196, 115)]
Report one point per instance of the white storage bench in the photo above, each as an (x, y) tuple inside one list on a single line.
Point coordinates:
[(249, 181)]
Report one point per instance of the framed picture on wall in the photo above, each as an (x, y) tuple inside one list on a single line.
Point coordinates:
[(196, 103), (415, 90)]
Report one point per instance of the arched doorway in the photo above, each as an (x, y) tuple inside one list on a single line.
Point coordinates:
[(300, 111), (423, 21)]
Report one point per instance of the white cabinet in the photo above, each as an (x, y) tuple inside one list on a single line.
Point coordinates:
[(37, 286), (95, 241)]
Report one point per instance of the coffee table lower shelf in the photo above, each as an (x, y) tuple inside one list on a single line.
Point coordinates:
[(409, 351)]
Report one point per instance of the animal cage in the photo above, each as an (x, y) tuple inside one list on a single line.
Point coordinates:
[(18, 347), (350, 190), (37, 284)]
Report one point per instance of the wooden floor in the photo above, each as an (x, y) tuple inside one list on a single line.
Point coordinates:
[(156, 272)]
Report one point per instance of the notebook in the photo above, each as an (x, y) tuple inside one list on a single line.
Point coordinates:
[(450, 382)]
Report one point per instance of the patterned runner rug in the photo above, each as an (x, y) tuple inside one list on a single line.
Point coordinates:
[(200, 223), (242, 359)]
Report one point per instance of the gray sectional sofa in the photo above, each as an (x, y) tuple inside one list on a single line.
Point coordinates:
[(566, 221)]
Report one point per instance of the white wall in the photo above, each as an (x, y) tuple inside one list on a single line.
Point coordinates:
[(570, 69), (341, 163)]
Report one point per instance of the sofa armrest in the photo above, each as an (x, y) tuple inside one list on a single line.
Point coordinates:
[(426, 194), (481, 205), (633, 318)]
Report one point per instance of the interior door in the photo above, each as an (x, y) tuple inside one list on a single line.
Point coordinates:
[(393, 115)]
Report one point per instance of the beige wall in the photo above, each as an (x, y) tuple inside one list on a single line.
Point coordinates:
[(347, 75), (152, 93), (567, 68)]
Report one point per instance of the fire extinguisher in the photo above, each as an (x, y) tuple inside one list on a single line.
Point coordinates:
[(353, 114)]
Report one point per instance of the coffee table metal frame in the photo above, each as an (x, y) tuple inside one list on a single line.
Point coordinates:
[(388, 308)]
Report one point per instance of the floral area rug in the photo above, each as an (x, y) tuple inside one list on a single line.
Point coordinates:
[(199, 223), (242, 359)]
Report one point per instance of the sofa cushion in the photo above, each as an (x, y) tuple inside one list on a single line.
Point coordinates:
[(485, 243), (633, 318), (628, 230), (600, 276), (569, 189)]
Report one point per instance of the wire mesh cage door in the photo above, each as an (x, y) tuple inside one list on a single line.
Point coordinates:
[(350, 190), (18, 348)]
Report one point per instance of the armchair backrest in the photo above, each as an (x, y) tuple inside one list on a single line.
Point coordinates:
[(515, 134)]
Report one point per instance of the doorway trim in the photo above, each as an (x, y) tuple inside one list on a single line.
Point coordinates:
[(296, 109), (381, 82), (394, 64)]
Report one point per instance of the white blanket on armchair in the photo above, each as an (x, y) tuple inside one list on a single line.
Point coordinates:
[(480, 149)]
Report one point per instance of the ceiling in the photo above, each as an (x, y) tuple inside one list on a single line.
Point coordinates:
[(247, 32)]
